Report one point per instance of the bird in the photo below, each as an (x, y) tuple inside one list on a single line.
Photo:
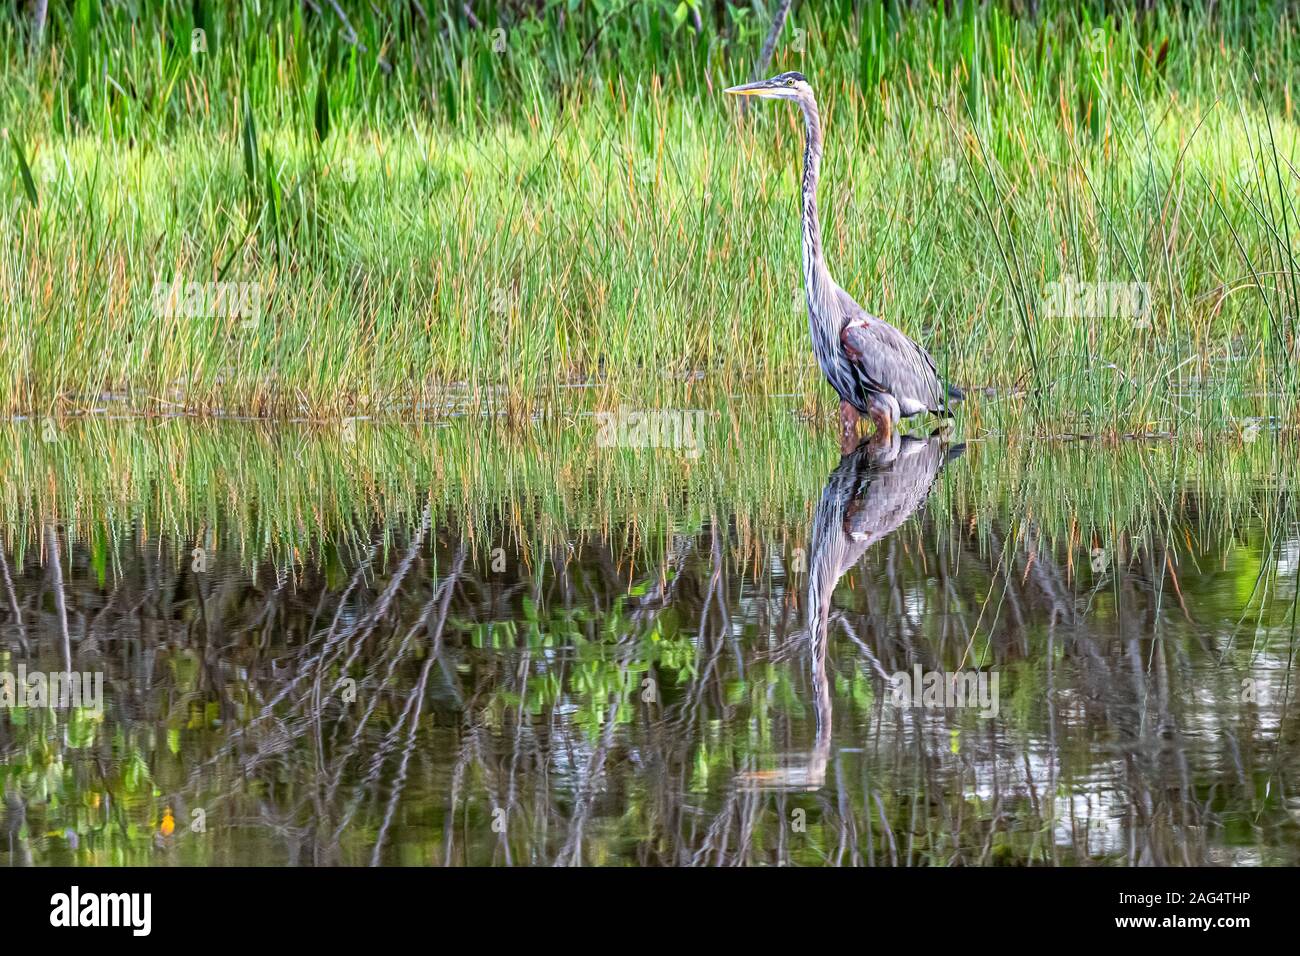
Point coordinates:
[(877, 371)]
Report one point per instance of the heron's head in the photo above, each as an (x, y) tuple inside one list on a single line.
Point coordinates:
[(784, 86)]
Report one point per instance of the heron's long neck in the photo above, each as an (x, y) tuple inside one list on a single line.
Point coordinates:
[(816, 277)]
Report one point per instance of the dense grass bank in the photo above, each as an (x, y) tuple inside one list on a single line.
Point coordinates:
[(419, 203)]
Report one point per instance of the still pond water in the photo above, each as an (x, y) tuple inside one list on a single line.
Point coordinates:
[(430, 650)]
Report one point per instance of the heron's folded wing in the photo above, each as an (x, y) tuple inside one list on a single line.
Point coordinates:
[(886, 360), (862, 350)]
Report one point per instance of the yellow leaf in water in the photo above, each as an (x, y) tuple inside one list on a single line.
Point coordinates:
[(168, 823)]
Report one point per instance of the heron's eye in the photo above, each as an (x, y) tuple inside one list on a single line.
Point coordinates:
[(789, 82)]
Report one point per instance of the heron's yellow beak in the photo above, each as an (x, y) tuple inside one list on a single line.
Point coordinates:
[(749, 89)]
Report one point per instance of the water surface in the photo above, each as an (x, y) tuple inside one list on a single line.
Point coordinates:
[(447, 649)]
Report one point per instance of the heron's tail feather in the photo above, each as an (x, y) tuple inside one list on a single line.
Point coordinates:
[(955, 394)]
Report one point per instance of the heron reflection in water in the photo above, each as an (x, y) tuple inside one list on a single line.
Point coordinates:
[(872, 491)]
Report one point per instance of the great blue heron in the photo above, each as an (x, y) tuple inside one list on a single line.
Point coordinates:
[(872, 491), (876, 369)]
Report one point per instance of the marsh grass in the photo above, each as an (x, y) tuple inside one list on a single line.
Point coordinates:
[(422, 212)]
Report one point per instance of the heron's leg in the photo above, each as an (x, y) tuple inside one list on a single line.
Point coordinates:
[(880, 414), (849, 417)]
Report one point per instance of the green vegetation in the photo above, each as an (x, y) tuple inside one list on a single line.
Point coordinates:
[(312, 322), (559, 194)]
